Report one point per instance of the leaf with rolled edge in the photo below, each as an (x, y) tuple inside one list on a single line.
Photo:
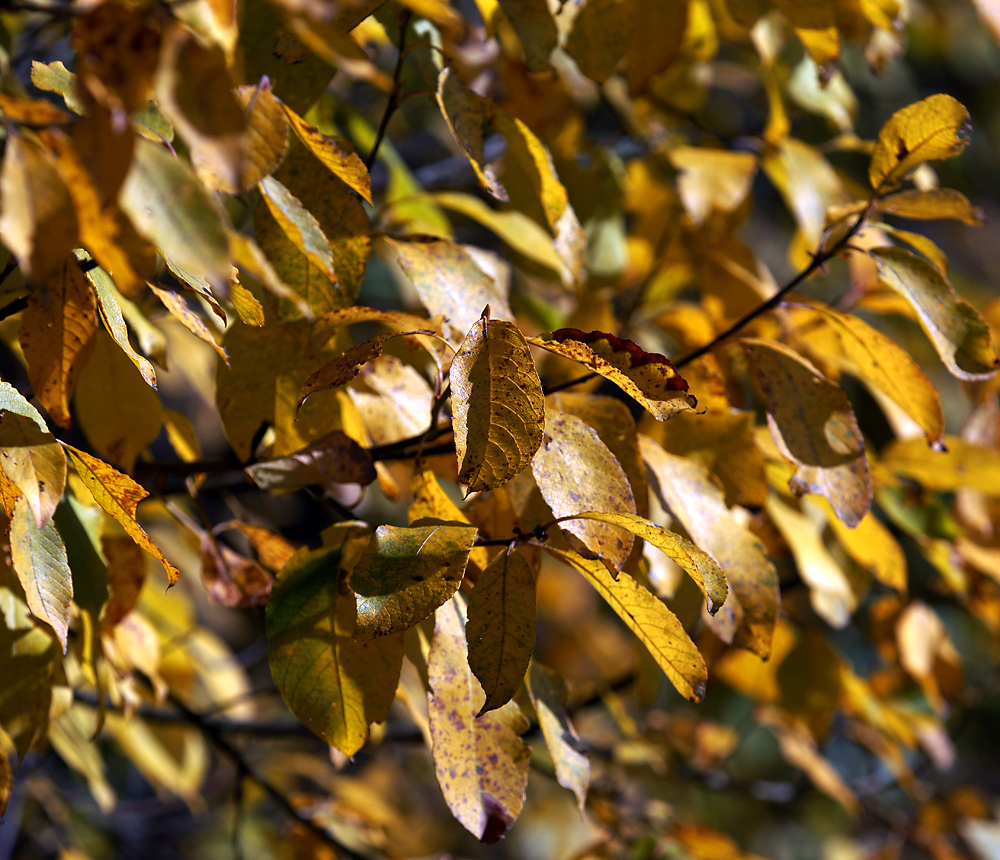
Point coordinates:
[(119, 495), (407, 573), (39, 558), (501, 627), (814, 426), (647, 377), (659, 630), (310, 621), (33, 460), (299, 225), (334, 459), (497, 404), (342, 370), (481, 763), (574, 469), (346, 166), (695, 562), (935, 128), (958, 331)]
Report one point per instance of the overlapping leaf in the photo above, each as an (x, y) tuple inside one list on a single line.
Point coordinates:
[(334, 459), (548, 696), (299, 225), (33, 461), (345, 165)]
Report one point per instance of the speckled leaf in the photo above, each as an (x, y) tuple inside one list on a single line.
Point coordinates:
[(347, 166), (300, 226), (497, 404), (407, 573), (813, 425), (481, 763), (501, 628), (548, 695), (958, 331), (334, 459), (34, 461), (659, 630), (647, 377), (266, 139), (576, 472), (39, 558), (936, 127), (335, 685)]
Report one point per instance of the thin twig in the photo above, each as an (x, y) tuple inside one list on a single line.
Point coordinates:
[(11, 265), (397, 85)]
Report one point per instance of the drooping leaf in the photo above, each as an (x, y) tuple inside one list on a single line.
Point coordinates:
[(878, 359), (480, 762), (57, 338), (179, 309), (935, 128), (548, 695), (961, 465), (119, 495), (111, 313), (497, 404), (249, 258), (347, 166), (299, 225), (653, 623), (647, 377), (695, 562), (34, 462), (407, 573), (813, 425), (687, 490), (959, 333), (576, 472), (310, 619), (501, 627), (39, 558), (532, 21), (599, 38), (334, 459)]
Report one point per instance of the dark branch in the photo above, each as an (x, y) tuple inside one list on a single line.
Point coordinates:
[(397, 86)]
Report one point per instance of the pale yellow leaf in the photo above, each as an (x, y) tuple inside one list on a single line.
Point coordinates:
[(34, 462)]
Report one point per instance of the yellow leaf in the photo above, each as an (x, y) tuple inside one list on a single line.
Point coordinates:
[(37, 219), (348, 166), (501, 627), (548, 696), (32, 112), (57, 337), (532, 21), (688, 491), (497, 404), (712, 180), (181, 311), (249, 258), (575, 471), (928, 203), (299, 225), (872, 546), (39, 558), (407, 573), (919, 242), (961, 465), (647, 377), (483, 768), (327, 326), (449, 282), (959, 333), (393, 401), (119, 495), (266, 139), (813, 425), (56, 78), (926, 650), (658, 31), (334, 459), (430, 502), (750, 674), (248, 309), (935, 128), (9, 494), (599, 38), (33, 461), (310, 621), (868, 353), (653, 623)]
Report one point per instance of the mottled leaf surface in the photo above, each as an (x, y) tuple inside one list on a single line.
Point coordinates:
[(34, 462)]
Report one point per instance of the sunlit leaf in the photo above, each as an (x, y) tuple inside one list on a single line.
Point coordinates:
[(54, 77), (301, 228), (334, 459), (33, 460), (961, 465), (407, 573), (712, 180), (872, 545), (310, 622), (959, 333), (932, 203), (480, 762), (179, 309), (345, 165)]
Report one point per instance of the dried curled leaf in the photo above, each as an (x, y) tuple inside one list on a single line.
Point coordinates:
[(334, 459), (497, 403), (647, 377)]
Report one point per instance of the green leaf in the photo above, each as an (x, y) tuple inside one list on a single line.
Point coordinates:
[(407, 573), (935, 128), (959, 333), (39, 558), (34, 461), (501, 628), (300, 226), (653, 623), (335, 685), (575, 470), (813, 425), (480, 762), (497, 403)]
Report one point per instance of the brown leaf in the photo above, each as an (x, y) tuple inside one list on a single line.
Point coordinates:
[(334, 459), (232, 579)]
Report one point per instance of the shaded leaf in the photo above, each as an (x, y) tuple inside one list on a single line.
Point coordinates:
[(658, 32), (347, 166), (334, 459), (39, 558), (480, 762), (599, 38), (501, 627), (653, 623), (430, 502), (576, 472), (300, 226), (813, 425), (497, 404), (34, 462), (936, 127), (959, 333), (119, 495), (310, 619), (232, 579), (33, 112), (407, 573), (647, 377), (532, 21)]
